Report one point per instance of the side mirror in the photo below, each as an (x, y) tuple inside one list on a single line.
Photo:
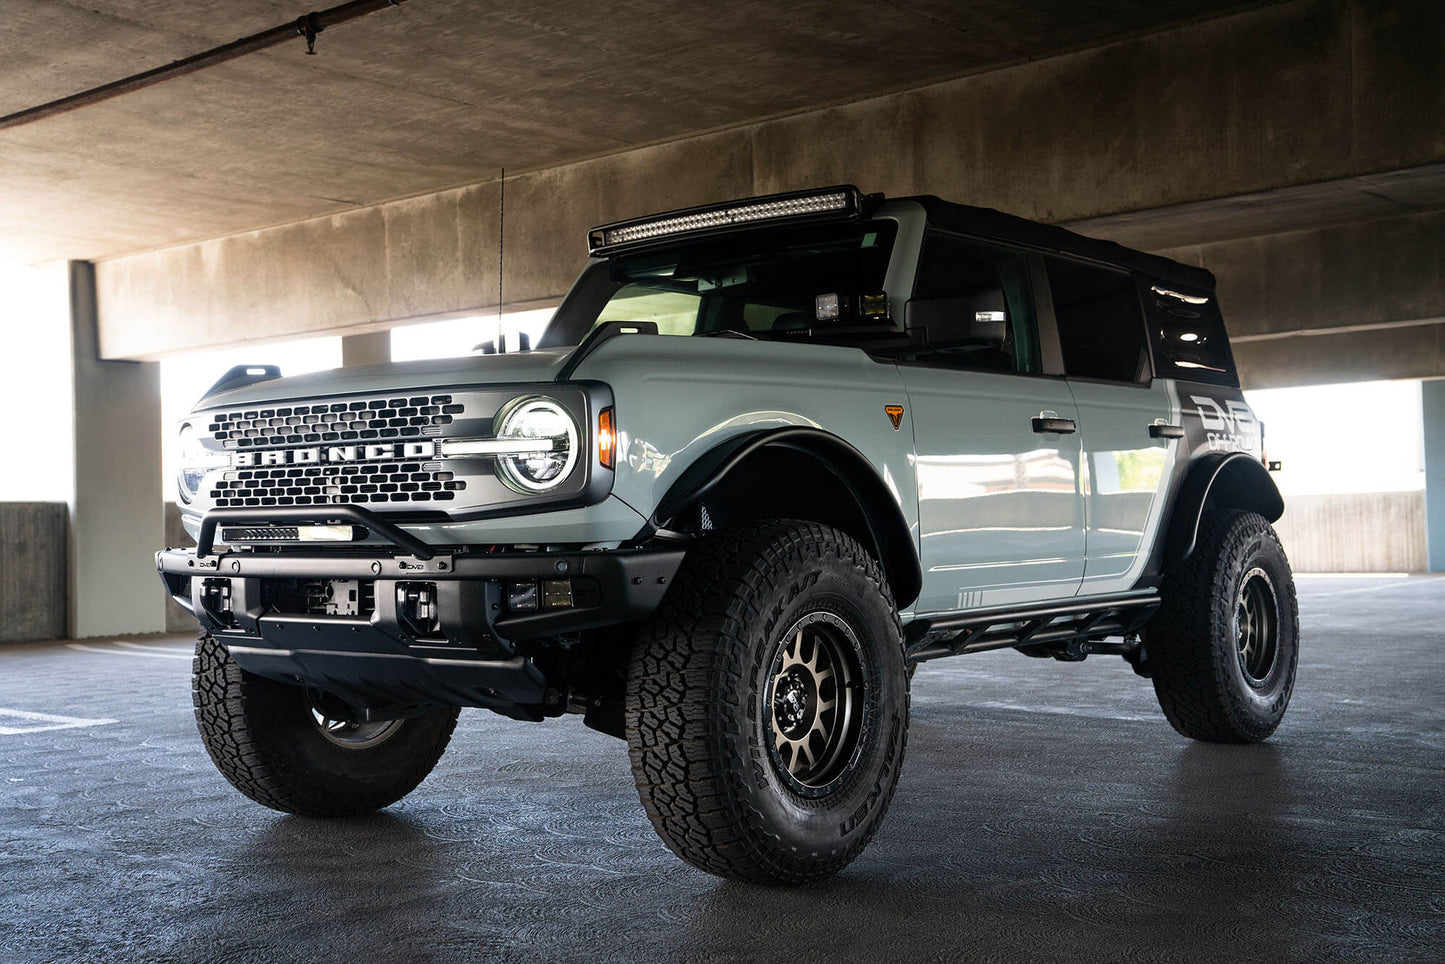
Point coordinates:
[(975, 318)]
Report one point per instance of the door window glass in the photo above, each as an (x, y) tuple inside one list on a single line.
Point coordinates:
[(1101, 330), (972, 306)]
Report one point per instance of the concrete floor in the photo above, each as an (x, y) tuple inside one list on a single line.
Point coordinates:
[(1046, 812)]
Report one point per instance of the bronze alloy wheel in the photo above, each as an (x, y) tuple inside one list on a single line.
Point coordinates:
[(813, 703), (1256, 627)]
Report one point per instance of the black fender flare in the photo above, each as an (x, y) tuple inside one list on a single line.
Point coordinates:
[(1235, 479), (890, 532)]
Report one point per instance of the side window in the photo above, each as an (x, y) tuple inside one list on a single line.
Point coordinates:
[(1189, 339), (1101, 330), (972, 306)]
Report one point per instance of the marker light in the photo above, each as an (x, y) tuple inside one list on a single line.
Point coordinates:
[(606, 439)]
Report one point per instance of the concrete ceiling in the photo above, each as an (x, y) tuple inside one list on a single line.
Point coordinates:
[(442, 92)]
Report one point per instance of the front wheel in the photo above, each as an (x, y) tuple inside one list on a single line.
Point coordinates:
[(293, 750), (767, 704), (1224, 645)]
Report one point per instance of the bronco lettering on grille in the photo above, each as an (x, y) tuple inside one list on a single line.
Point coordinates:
[(337, 453)]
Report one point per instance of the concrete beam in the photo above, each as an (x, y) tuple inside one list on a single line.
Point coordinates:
[(1325, 358), (1299, 93), (1366, 274), (1335, 304)]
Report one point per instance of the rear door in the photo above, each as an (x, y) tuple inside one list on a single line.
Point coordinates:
[(999, 502), (1127, 419)]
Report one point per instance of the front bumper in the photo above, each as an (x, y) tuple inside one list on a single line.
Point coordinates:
[(380, 654)]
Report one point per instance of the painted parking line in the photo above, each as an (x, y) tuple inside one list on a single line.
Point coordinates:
[(13, 722), (125, 652)]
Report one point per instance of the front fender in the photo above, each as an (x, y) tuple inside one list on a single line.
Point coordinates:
[(888, 528)]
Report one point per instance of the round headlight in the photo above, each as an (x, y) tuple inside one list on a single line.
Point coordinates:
[(548, 423), (192, 461)]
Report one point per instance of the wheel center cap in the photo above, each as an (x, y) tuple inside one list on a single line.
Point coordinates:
[(792, 704)]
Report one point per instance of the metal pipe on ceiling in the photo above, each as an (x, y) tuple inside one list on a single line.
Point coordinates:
[(308, 26)]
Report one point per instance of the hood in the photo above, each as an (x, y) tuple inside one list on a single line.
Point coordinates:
[(540, 365)]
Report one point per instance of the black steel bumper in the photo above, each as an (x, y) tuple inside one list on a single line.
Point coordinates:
[(378, 656)]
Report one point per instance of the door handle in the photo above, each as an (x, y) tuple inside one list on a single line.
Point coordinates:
[(1160, 430), (1045, 422)]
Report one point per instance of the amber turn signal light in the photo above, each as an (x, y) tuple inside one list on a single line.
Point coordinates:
[(606, 439)]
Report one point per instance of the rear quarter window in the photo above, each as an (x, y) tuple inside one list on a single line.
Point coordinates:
[(1186, 334)]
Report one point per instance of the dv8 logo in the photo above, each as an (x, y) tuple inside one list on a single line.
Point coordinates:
[(1230, 427)]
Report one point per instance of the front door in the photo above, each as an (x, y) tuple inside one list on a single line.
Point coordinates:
[(1000, 505)]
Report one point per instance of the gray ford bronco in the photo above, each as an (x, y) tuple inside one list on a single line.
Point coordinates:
[(767, 457)]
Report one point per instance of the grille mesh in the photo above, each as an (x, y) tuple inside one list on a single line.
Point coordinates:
[(377, 418), (359, 482)]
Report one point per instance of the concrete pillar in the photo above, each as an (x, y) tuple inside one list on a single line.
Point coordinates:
[(372, 348), (1432, 396), (116, 518)]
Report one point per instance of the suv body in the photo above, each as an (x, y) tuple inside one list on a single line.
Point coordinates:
[(1027, 438)]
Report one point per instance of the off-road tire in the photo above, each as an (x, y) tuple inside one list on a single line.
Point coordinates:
[(263, 739), (1193, 642), (700, 725)]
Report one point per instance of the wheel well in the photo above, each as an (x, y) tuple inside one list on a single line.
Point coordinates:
[(1234, 481), (1243, 483), (798, 477)]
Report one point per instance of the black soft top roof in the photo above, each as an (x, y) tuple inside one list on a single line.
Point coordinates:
[(988, 223)]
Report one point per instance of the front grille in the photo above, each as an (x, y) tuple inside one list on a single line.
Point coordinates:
[(378, 451), (351, 483), (359, 421)]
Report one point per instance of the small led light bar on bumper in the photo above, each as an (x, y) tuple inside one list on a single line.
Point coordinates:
[(420, 626), (842, 201)]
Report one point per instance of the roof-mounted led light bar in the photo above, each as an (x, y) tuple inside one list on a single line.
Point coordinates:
[(840, 201)]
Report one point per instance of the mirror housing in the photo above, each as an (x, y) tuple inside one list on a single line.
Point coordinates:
[(973, 318)]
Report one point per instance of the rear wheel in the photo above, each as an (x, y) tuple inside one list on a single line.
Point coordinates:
[(1224, 646), (296, 750), (767, 704)]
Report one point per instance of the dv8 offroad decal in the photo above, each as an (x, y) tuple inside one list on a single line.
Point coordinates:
[(1229, 424)]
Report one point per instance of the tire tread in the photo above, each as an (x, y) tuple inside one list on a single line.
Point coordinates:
[(678, 744)]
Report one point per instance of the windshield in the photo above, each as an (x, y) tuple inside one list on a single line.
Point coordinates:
[(763, 283)]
